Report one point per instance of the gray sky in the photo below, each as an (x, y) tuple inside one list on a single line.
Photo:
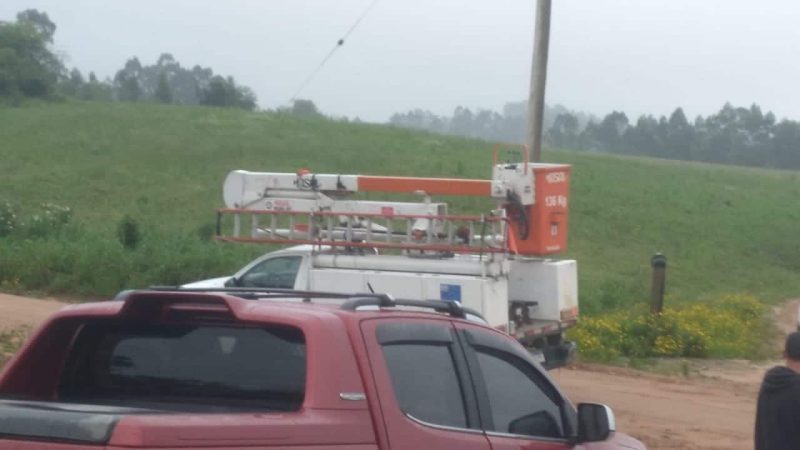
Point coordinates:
[(639, 56)]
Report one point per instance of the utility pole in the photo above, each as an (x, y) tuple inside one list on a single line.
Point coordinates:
[(541, 43)]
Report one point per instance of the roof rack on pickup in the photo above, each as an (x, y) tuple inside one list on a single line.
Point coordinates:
[(454, 309), (352, 302)]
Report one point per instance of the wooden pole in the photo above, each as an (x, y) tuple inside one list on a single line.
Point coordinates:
[(541, 43)]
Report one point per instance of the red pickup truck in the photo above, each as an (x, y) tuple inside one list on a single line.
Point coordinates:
[(284, 370)]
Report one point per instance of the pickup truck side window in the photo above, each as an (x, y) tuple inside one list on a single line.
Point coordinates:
[(186, 366), (273, 273), (518, 403), (425, 382)]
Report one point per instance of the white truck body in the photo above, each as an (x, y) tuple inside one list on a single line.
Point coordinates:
[(489, 284)]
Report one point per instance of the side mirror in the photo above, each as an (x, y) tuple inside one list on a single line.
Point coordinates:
[(595, 422), (232, 282)]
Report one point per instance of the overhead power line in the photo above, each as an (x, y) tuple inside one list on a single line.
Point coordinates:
[(338, 44)]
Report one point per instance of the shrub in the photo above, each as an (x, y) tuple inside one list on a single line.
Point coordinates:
[(128, 232), (598, 338), (732, 326), (8, 218), (51, 219)]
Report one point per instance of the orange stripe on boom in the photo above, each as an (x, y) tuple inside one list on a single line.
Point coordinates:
[(432, 186)]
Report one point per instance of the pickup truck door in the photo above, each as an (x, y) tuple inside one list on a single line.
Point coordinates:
[(519, 407), (424, 389)]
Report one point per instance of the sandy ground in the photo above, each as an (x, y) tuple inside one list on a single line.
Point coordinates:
[(670, 412), (712, 410), (18, 311)]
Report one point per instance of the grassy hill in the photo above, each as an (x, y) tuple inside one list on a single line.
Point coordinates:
[(724, 229)]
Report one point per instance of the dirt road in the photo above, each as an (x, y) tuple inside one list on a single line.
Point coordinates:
[(670, 412), (711, 411), (16, 312)]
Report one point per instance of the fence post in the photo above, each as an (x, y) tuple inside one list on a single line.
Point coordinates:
[(659, 264)]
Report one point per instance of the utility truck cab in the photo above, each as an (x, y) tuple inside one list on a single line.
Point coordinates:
[(280, 269)]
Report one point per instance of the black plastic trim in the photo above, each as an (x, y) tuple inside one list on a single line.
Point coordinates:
[(413, 332), (59, 421)]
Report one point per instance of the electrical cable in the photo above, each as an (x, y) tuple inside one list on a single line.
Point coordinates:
[(327, 57)]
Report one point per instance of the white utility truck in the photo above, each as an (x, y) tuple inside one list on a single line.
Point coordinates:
[(498, 263)]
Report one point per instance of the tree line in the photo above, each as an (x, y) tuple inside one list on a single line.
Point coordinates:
[(509, 125), (733, 135), (29, 68)]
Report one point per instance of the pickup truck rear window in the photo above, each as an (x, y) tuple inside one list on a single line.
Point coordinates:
[(186, 366)]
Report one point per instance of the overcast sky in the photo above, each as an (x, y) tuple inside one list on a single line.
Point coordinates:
[(638, 56)]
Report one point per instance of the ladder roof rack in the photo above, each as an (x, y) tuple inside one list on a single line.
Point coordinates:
[(260, 293)]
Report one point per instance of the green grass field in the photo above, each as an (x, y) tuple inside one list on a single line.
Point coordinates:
[(724, 229)]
